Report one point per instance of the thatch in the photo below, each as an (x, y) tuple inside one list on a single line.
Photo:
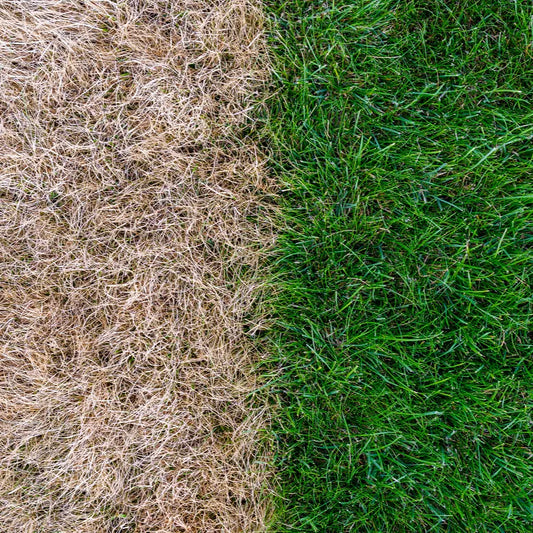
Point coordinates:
[(132, 228)]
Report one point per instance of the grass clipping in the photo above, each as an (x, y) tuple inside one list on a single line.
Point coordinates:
[(130, 239)]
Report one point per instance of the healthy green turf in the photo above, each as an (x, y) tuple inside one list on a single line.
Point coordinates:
[(403, 133)]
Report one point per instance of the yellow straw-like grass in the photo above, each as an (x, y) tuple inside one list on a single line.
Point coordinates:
[(132, 228)]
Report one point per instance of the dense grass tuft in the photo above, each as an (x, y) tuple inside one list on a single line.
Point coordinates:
[(403, 137)]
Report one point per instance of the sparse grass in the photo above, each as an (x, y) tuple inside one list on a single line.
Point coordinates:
[(403, 136), (129, 248)]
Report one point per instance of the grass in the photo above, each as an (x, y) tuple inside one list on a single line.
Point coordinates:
[(402, 135), (130, 247)]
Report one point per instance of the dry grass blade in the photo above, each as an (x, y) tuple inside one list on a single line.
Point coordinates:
[(129, 248)]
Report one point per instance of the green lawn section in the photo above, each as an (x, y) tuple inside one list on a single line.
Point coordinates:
[(403, 135)]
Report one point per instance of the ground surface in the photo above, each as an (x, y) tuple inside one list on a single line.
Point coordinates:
[(134, 217), (403, 135), (129, 242)]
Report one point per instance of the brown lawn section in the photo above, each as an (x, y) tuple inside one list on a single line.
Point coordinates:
[(130, 242)]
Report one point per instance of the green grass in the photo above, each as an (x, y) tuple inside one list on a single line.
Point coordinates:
[(403, 132)]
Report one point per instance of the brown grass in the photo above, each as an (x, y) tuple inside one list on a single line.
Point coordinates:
[(130, 239)]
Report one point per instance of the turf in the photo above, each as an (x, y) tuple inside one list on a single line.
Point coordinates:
[(402, 359), (130, 253)]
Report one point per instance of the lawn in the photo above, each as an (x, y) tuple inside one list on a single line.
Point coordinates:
[(401, 134), (129, 258)]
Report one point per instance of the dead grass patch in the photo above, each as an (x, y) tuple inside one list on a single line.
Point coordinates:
[(130, 241)]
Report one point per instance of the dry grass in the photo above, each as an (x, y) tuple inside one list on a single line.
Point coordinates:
[(129, 247)]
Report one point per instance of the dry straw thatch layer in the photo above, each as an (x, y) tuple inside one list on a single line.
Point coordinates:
[(130, 238)]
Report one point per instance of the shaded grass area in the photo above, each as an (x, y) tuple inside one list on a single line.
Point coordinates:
[(403, 135)]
